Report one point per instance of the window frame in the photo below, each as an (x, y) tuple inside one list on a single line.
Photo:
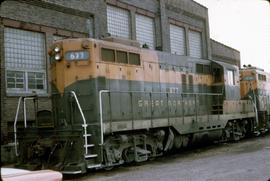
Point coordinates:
[(115, 56), (192, 54), (184, 42), (262, 77), (134, 54), (25, 90), (117, 32), (126, 54), (231, 77), (153, 35), (203, 69), (114, 53)]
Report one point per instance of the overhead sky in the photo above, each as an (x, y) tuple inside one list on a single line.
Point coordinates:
[(243, 25)]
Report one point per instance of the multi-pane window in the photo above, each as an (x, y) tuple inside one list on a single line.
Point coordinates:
[(262, 77), (203, 69), (121, 57), (15, 79), (134, 59), (177, 40), (145, 30), (111, 55), (35, 80), (118, 22), (108, 55), (24, 61), (230, 77), (195, 44)]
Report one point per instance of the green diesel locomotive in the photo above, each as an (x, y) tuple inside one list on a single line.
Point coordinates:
[(114, 103)]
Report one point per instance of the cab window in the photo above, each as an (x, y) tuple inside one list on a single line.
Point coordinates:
[(230, 77), (217, 75), (107, 55), (121, 57), (262, 77), (134, 59)]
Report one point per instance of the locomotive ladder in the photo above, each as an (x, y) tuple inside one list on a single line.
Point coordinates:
[(86, 135)]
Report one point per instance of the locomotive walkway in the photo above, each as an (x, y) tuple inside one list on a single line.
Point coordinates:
[(247, 160)]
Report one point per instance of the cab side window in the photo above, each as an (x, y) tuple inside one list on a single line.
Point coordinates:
[(217, 75), (134, 59), (230, 77), (107, 55), (121, 57)]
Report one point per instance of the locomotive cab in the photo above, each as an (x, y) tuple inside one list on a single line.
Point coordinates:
[(225, 81)]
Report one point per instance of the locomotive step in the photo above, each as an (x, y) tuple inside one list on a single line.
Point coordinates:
[(89, 145), (217, 106), (93, 166), (217, 110), (90, 156)]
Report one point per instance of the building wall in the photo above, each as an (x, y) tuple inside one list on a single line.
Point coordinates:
[(88, 18), (45, 19), (223, 53)]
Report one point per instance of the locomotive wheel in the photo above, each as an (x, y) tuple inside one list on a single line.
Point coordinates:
[(234, 131), (128, 155)]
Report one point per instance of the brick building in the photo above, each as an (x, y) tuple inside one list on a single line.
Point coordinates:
[(29, 27)]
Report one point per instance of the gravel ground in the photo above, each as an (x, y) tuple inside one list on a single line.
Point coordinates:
[(247, 160)]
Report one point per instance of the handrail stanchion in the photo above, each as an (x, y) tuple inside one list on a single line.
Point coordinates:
[(15, 126), (84, 121), (101, 114)]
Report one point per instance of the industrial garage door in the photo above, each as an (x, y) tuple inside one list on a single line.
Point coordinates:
[(195, 44), (177, 40), (145, 30), (25, 61), (118, 22)]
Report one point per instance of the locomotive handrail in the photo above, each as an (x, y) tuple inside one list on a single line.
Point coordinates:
[(24, 118), (185, 93), (84, 120), (15, 125), (79, 106), (254, 103), (24, 109)]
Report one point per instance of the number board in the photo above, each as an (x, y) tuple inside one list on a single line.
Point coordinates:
[(77, 55)]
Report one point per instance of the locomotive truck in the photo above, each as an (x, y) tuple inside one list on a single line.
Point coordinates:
[(114, 102)]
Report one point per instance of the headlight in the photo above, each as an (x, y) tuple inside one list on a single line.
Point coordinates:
[(57, 56), (57, 48)]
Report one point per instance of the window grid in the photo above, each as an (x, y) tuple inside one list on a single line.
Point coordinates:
[(24, 61), (195, 44), (15, 79), (177, 40), (36, 80), (118, 22), (145, 30)]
